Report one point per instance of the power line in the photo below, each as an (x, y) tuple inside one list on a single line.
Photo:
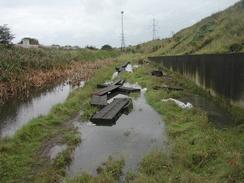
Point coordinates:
[(122, 31), (154, 29)]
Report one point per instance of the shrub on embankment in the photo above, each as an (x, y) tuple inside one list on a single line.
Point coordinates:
[(22, 70)]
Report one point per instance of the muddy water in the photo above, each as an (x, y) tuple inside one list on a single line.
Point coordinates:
[(219, 74), (216, 115), (15, 113), (133, 136)]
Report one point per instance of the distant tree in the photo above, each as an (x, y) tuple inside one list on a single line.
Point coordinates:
[(91, 47), (138, 47), (106, 47), (5, 35)]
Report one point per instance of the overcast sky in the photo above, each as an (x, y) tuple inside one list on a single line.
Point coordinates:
[(97, 22)]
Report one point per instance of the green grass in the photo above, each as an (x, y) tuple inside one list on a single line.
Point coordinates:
[(198, 151), (109, 172), (22, 157)]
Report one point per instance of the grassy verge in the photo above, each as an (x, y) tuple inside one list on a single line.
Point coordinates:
[(24, 156), (199, 152), (22, 70), (15, 61), (109, 172)]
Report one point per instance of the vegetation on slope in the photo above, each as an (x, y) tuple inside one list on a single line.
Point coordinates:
[(15, 61), (219, 33), (24, 69)]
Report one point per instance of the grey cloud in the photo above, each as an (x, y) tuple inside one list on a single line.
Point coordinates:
[(96, 22)]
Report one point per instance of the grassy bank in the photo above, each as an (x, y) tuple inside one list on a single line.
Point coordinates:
[(14, 61), (198, 151), (109, 172), (24, 69), (221, 32), (24, 157)]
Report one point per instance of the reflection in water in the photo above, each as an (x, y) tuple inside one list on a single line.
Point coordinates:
[(15, 113), (131, 137), (218, 116), (54, 151), (219, 74)]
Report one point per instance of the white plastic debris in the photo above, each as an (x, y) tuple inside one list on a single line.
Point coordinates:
[(115, 75), (136, 66), (144, 90), (135, 85), (129, 68), (90, 124), (117, 96), (179, 103)]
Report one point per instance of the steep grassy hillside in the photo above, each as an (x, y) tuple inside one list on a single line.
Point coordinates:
[(222, 32)]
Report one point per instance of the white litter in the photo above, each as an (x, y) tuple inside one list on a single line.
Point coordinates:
[(117, 96), (90, 124), (144, 90), (115, 75), (179, 103), (135, 85), (129, 68), (136, 66)]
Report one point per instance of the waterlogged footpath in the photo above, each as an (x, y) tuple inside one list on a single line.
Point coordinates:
[(25, 157), (198, 151), (15, 113)]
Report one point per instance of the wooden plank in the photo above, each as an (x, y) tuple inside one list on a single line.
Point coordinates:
[(99, 100), (117, 82), (128, 90), (111, 112), (121, 82), (102, 85), (121, 88), (107, 90)]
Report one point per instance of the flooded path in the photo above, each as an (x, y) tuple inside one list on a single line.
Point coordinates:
[(131, 138), (219, 117), (15, 113)]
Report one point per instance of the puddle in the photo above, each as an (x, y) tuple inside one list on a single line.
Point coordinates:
[(132, 137), (54, 151), (15, 113), (218, 116)]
